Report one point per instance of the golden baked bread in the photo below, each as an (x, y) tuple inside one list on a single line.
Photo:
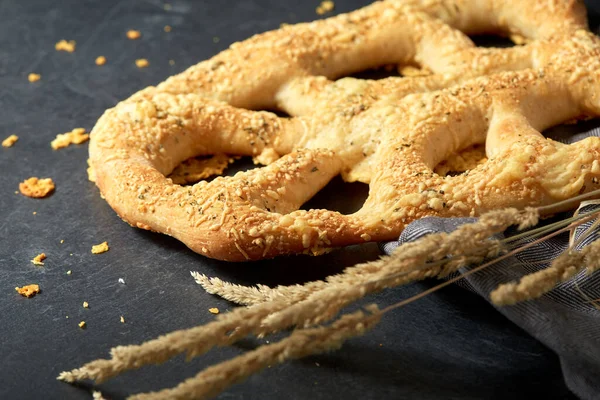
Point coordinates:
[(389, 133)]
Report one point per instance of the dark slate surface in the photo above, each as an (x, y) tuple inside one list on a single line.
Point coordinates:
[(448, 345)]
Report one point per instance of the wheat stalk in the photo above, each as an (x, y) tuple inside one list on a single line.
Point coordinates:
[(300, 343), (279, 314), (317, 302)]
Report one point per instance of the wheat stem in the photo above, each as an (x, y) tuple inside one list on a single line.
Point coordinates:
[(320, 302), (312, 307), (300, 343)]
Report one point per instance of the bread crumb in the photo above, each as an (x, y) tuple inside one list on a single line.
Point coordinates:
[(76, 136), (96, 395), (34, 213), (100, 248), (69, 272), (82, 324), (63, 45), (10, 141), (121, 281), (133, 34), (122, 319), (34, 77), (167, 28), (36, 188), (62, 241), (37, 260), (216, 39), (325, 7), (28, 290), (213, 310), (86, 304), (100, 60), (141, 63), (171, 62)]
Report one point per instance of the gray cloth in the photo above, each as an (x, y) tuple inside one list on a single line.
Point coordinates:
[(565, 319)]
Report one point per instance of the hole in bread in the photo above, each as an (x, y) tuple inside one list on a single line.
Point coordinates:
[(196, 169), (413, 69), (469, 158), (497, 41), (461, 162), (391, 70), (376, 73), (279, 113), (271, 109), (574, 131), (337, 195)]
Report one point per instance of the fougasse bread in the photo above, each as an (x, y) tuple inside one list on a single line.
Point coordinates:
[(388, 133)]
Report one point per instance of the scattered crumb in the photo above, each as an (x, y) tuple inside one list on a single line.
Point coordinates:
[(121, 281), (90, 171), (101, 60), (167, 28), (34, 77), (34, 213), (82, 324), (122, 319), (69, 272), (325, 7), (213, 310), (86, 304), (36, 188), (133, 34), (216, 39), (66, 316), (96, 395), (167, 6), (141, 63), (16, 192), (317, 364), (100, 248), (76, 136), (171, 62), (380, 345), (63, 45), (28, 290), (10, 141), (62, 241), (37, 260)]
